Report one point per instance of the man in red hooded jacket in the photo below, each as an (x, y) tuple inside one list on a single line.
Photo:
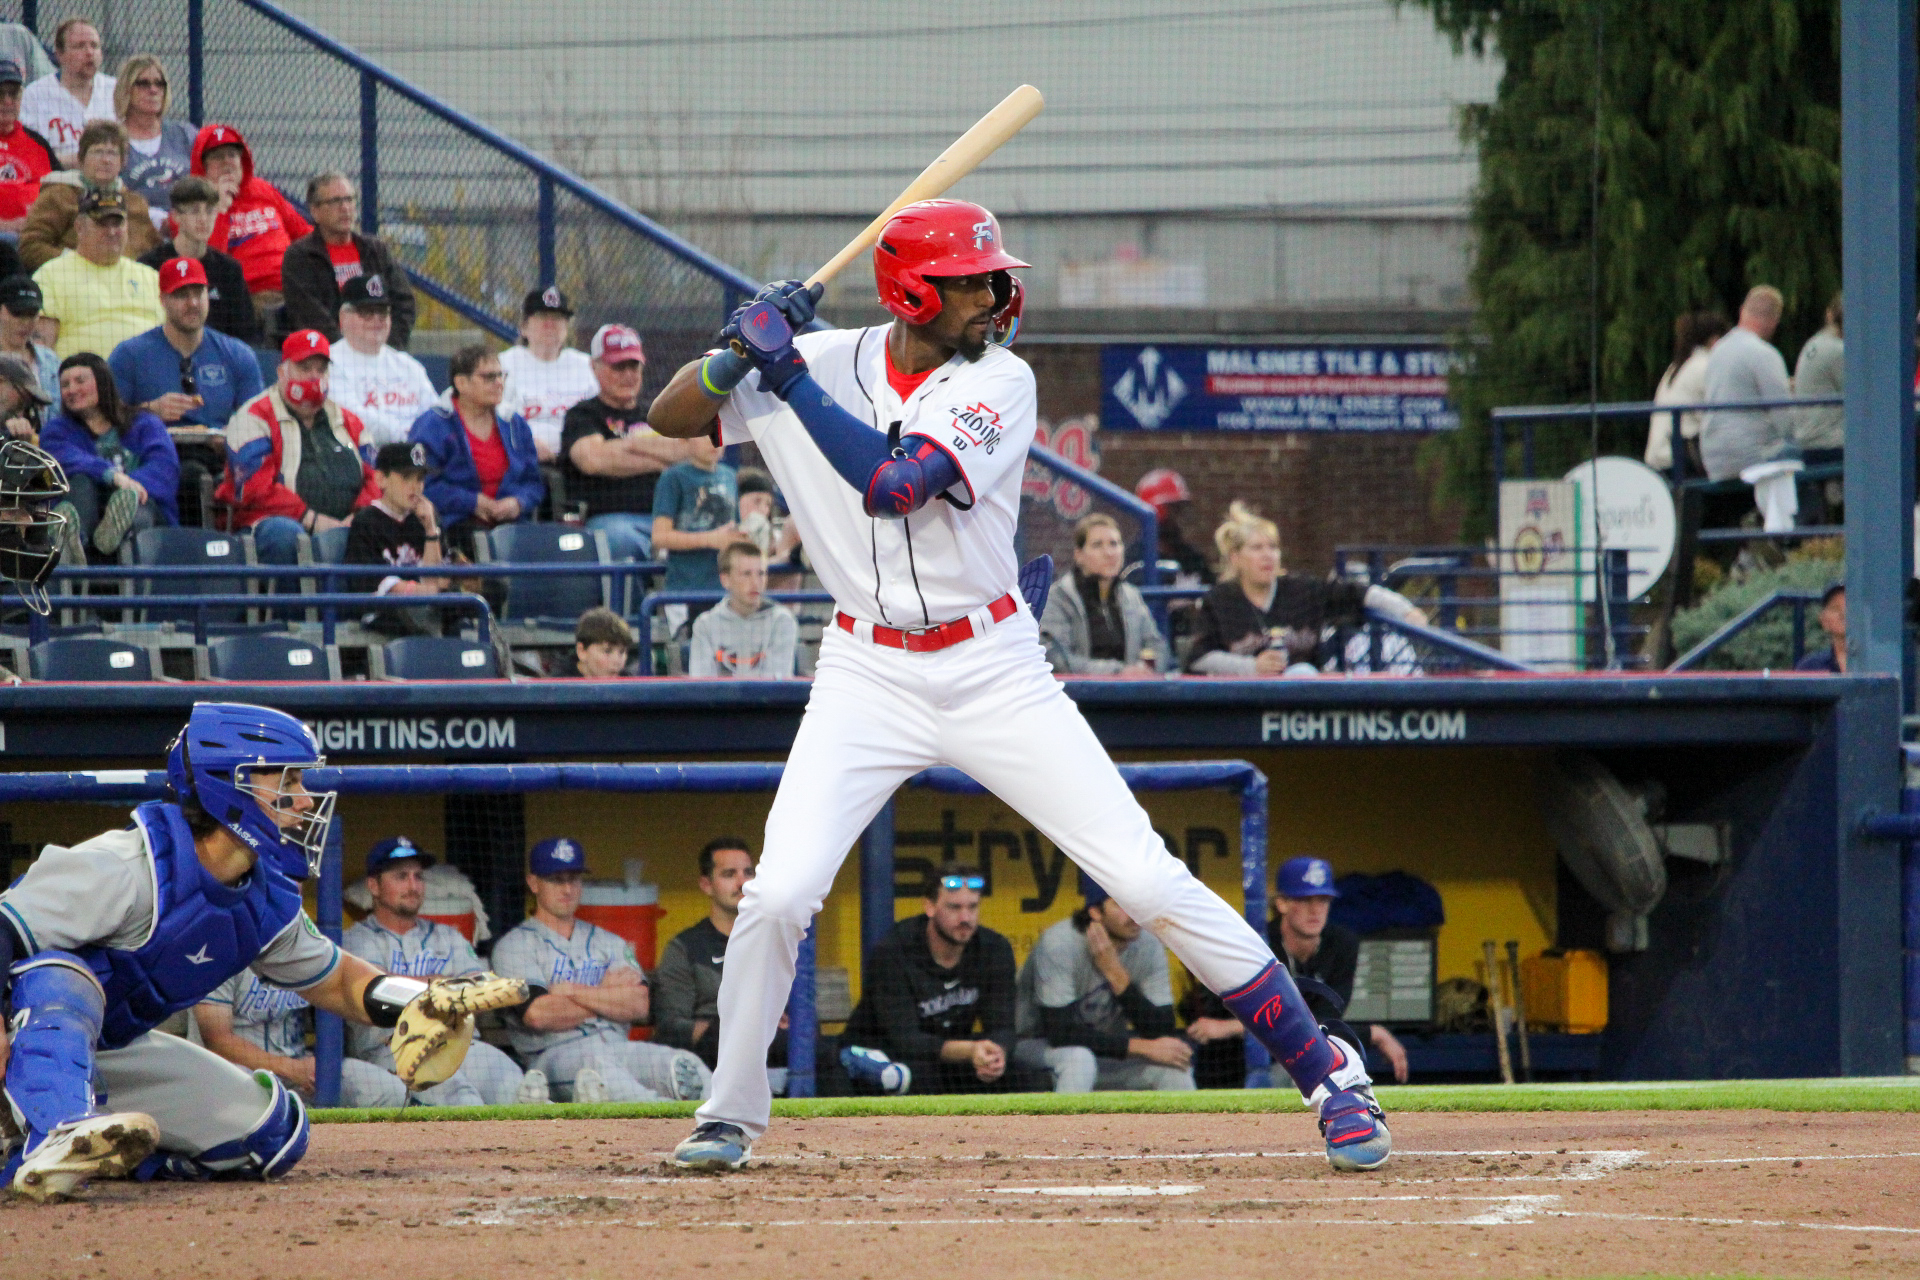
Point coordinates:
[(256, 222)]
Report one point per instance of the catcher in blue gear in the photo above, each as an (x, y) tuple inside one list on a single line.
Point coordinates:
[(101, 942)]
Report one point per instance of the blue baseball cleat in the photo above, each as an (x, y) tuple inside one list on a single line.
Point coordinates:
[(713, 1147), (1355, 1129)]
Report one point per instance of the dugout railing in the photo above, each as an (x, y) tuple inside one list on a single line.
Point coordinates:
[(876, 848)]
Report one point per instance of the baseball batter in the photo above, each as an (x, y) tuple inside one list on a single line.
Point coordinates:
[(901, 449)]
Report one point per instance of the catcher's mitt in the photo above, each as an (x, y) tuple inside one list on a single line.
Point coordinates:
[(430, 1041)]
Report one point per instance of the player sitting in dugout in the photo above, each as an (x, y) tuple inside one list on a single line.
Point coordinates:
[(104, 941), (939, 1002), (1096, 1003), (1260, 621)]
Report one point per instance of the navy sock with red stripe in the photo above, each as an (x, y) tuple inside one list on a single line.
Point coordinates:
[(1274, 1012)]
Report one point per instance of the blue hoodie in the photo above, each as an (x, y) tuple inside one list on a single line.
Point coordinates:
[(452, 480), (156, 466)]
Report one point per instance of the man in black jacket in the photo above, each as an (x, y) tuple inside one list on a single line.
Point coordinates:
[(938, 998), (315, 266)]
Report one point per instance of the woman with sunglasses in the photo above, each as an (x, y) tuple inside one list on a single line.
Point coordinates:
[(482, 469), (159, 150)]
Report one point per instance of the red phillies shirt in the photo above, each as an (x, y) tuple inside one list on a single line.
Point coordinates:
[(24, 160), (489, 459), (346, 261)]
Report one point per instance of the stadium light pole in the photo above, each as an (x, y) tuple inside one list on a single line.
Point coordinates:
[(1877, 81)]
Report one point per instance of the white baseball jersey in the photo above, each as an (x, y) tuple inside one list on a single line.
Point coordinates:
[(532, 951), (428, 950), (388, 391), (56, 115), (541, 391), (952, 557), (271, 1017)]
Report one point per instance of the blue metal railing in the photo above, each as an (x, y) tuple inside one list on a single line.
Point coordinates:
[(1797, 601)]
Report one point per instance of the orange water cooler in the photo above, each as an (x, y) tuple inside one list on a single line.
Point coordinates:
[(630, 908)]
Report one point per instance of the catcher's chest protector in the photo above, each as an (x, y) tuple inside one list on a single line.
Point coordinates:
[(204, 932)]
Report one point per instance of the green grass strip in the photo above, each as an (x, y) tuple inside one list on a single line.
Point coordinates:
[(1892, 1093)]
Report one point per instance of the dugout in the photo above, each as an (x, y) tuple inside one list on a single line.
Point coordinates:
[(1782, 961)]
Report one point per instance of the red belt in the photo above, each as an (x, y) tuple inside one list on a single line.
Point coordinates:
[(943, 636)]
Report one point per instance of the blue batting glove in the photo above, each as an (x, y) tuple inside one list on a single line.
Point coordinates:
[(794, 299), (761, 333)]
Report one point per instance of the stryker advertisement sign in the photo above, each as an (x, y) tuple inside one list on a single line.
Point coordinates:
[(1195, 387)]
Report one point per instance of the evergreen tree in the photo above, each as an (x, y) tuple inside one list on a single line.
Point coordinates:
[(1719, 168)]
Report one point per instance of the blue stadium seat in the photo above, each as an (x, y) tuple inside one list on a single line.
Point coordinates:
[(559, 600), (93, 659), (269, 657), (330, 547), (434, 658), (183, 546)]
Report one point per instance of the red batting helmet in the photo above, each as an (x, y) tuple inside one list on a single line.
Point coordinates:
[(935, 238), (1161, 487)]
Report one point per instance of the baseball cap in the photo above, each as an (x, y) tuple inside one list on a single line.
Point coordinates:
[(1162, 487), (616, 344), (400, 456), (556, 857), (365, 291), (20, 295), (305, 345), (177, 273), (547, 299), (1091, 890), (1305, 878), (395, 849), (103, 202), (10, 72), (16, 370)]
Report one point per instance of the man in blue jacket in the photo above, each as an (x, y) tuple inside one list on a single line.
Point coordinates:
[(482, 468)]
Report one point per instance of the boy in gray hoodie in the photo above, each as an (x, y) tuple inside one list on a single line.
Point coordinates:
[(746, 634)]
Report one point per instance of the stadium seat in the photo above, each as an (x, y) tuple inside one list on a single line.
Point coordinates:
[(183, 546), (558, 601), (433, 658), (269, 657), (93, 659), (329, 546)]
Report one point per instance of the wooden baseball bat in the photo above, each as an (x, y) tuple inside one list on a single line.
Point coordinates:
[(1520, 1010), (1497, 1009), (987, 136)]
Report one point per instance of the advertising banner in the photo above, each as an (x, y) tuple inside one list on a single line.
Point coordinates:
[(1197, 387)]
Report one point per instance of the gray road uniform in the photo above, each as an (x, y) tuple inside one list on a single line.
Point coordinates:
[(277, 1020), (1081, 1027), (632, 1070), (102, 895), (431, 950)]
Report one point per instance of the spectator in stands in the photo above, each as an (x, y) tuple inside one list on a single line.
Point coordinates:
[(760, 523), (52, 222), (389, 389), (1684, 382), (159, 150), (1322, 956), (545, 377), (120, 461), (1745, 365), (264, 1028), (20, 44), (1260, 621), (94, 296), (938, 997), (397, 530), (609, 457), (686, 986), (395, 939), (1096, 993), (183, 371), (1166, 491), (294, 456), (1094, 623), (255, 223), (694, 508), (602, 646), (21, 400), (26, 158), (747, 635), (230, 307), (20, 305), (1833, 621), (481, 466), (317, 267), (1821, 371), (59, 106), (594, 991)]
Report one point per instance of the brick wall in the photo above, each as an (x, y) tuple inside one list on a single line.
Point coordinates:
[(1323, 489)]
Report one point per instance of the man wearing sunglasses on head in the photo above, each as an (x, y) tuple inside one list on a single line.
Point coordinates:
[(937, 1012)]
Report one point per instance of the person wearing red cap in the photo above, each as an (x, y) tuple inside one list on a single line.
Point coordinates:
[(609, 456), (182, 370), (1165, 490), (295, 462)]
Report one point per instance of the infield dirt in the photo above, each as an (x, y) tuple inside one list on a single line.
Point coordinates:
[(1512, 1195)]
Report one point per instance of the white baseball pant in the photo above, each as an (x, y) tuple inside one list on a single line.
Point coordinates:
[(632, 1070), (198, 1098), (487, 1078), (991, 707)]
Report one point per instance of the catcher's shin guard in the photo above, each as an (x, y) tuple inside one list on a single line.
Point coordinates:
[(58, 1007), (274, 1146)]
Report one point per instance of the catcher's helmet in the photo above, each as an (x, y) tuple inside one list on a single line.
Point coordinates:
[(936, 238), (31, 481), (214, 760)]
